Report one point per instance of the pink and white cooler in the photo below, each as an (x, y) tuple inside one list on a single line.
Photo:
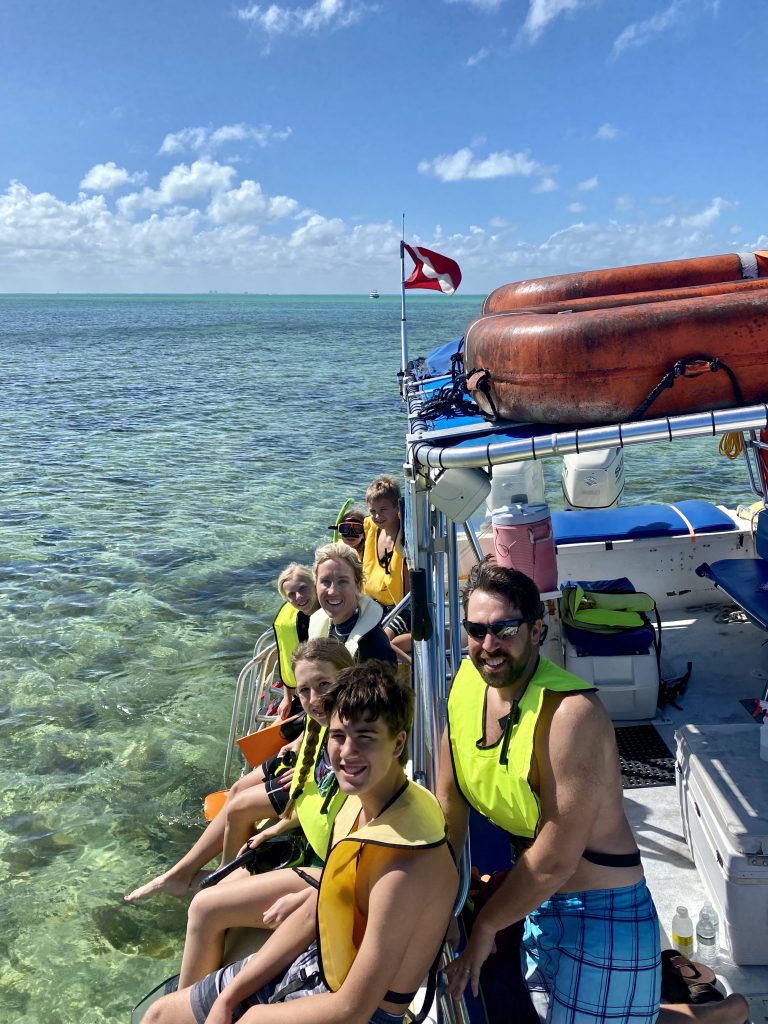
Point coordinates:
[(523, 540)]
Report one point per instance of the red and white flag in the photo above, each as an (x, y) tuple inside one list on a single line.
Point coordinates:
[(432, 271)]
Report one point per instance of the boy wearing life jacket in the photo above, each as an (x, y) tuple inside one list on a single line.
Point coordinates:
[(360, 945), (386, 573)]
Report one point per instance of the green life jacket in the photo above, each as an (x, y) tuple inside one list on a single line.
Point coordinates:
[(498, 786), (287, 640), (601, 612), (316, 811)]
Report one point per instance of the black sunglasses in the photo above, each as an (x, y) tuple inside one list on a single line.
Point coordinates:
[(504, 629)]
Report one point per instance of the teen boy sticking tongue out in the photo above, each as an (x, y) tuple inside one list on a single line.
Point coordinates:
[(357, 950)]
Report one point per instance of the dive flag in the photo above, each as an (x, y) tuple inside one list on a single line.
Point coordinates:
[(432, 270)]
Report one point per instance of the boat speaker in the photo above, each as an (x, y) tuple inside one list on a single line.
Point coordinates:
[(460, 492)]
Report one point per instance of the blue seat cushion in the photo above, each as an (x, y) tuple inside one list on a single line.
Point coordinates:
[(634, 522), (745, 581)]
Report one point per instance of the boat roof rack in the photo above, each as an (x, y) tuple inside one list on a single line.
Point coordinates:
[(468, 442)]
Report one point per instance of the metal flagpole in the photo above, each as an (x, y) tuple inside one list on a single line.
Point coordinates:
[(403, 323)]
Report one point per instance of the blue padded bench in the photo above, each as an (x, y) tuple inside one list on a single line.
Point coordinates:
[(745, 580), (640, 521)]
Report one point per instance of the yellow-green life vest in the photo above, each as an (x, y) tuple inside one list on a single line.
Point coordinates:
[(412, 821), (287, 640), (501, 792), (316, 814)]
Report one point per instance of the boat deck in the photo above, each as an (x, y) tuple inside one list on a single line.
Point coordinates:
[(730, 664)]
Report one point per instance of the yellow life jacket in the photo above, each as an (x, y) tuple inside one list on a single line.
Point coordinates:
[(287, 640), (501, 792), (385, 587), (370, 615), (315, 811), (412, 821)]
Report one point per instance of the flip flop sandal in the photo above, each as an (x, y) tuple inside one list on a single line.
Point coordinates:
[(692, 972), (684, 981)]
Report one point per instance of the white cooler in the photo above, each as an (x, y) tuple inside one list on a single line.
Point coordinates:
[(627, 684), (722, 786)]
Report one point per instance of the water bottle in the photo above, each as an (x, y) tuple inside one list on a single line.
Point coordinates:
[(682, 932), (707, 939)]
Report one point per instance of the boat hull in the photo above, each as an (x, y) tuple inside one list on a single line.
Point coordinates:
[(600, 365)]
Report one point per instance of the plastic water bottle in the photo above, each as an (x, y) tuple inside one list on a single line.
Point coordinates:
[(707, 938), (682, 932)]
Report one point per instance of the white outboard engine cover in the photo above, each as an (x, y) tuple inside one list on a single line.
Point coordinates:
[(593, 479)]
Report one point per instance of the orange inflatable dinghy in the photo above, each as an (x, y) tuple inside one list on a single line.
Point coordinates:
[(602, 365), (643, 277)]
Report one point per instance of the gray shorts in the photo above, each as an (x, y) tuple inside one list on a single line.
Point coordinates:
[(301, 979)]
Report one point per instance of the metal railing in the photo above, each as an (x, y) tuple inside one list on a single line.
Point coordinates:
[(253, 693)]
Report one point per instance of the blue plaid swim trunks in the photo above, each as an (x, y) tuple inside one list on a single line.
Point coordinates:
[(595, 956)]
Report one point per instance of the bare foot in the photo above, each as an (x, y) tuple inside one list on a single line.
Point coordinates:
[(734, 1009), (169, 883)]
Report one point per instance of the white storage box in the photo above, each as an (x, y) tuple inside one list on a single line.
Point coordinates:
[(723, 789), (628, 684)]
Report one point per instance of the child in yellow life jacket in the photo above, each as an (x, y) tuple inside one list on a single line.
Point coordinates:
[(315, 799), (296, 585), (386, 573)]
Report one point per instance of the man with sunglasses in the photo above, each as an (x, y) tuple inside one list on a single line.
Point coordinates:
[(530, 747)]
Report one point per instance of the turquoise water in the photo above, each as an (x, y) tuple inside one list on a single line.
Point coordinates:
[(161, 459)]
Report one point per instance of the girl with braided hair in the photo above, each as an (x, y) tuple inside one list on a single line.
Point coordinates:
[(244, 900), (261, 794)]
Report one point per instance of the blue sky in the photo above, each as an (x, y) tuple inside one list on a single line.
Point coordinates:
[(190, 145)]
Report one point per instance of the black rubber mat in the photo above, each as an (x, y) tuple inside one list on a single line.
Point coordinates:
[(644, 756)]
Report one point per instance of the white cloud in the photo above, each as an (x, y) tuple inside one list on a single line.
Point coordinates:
[(483, 5), (182, 183), (542, 13), (107, 177), (205, 140), (477, 58), (576, 208), (276, 20), (589, 185), (545, 185), (707, 217), (247, 204), (606, 132), (463, 164), (318, 233), (639, 33), (623, 203), (205, 229)]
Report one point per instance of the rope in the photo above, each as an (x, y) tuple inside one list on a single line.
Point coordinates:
[(732, 444), (692, 367), (453, 399)]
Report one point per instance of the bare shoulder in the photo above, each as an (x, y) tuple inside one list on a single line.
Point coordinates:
[(429, 873), (576, 729), (582, 710)]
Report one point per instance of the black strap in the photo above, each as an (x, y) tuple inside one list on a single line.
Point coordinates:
[(612, 860), (683, 368)]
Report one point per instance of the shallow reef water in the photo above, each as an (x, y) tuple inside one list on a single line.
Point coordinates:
[(161, 459)]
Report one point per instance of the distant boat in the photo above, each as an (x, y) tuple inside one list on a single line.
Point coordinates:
[(373, 293)]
